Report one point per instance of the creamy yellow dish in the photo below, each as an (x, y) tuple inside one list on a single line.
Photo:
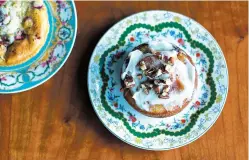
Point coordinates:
[(23, 30)]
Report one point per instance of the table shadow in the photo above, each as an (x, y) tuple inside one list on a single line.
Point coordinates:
[(80, 99)]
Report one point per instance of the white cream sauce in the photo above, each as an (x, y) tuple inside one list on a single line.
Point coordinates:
[(186, 73)]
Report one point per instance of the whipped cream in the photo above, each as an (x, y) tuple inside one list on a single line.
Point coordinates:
[(185, 72)]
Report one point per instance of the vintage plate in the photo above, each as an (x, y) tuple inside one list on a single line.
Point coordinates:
[(63, 27), (128, 124)]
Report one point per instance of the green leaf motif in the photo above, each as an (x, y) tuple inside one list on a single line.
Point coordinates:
[(194, 44)]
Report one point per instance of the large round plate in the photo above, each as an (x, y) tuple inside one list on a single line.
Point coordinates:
[(128, 124), (62, 32)]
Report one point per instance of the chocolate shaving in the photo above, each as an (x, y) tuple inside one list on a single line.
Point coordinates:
[(156, 89), (143, 48), (163, 97)]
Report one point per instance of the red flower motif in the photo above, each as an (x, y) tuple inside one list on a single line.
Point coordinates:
[(198, 54), (132, 39), (3, 79), (181, 41), (54, 58), (183, 120), (197, 103), (115, 104), (44, 64), (118, 55), (133, 119)]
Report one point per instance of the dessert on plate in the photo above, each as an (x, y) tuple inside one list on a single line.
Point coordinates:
[(23, 30), (159, 79)]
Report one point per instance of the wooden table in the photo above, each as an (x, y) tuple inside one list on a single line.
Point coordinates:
[(56, 121)]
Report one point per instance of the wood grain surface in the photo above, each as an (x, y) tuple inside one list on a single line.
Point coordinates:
[(56, 121)]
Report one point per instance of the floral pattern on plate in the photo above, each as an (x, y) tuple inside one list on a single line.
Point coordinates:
[(128, 124), (60, 40)]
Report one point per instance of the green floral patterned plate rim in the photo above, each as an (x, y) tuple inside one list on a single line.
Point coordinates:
[(131, 126)]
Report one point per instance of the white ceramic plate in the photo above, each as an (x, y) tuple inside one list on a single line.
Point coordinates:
[(60, 40), (131, 126)]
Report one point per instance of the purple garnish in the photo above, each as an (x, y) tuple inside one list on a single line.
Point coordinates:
[(2, 2), (20, 35)]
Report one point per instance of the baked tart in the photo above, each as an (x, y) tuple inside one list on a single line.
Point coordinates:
[(23, 30), (159, 79)]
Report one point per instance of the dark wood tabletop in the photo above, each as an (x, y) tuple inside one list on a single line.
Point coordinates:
[(55, 121)]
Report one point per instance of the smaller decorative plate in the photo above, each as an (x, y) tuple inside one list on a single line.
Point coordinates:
[(63, 27), (133, 127)]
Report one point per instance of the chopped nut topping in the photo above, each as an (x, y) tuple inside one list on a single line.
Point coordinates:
[(156, 89), (148, 85), (166, 89), (163, 96), (159, 82), (128, 78), (168, 68), (159, 72), (172, 60), (168, 81), (159, 55), (145, 88), (142, 66), (129, 82)]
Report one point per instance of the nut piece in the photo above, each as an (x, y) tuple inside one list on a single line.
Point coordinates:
[(158, 73), (148, 85), (166, 89), (168, 68), (156, 89), (129, 82), (159, 55), (172, 60), (168, 81), (163, 96), (165, 93), (145, 89), (142, 65)]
